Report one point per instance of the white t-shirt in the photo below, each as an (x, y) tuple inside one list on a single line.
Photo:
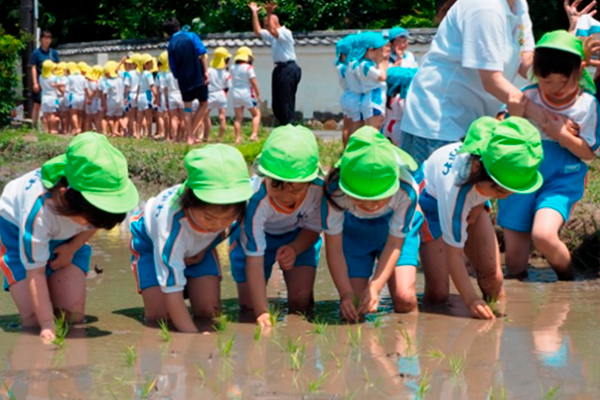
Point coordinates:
[(264, 216), (172, 86), (341, 70), (132, 79), (219, 79), (241, 75), (26, 203), (174, 238), (446, 94), (113, 89), (46, 86), (402, 206), (77, 84), (146, 81), (354, 84), (444, 172), (282, 47), (408, 60), (368, 74), (583, 110), (92, 86)]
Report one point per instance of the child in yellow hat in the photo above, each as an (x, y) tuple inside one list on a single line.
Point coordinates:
[(219, 83), (112, 104), (174, 102), (131, 81), (61, 71), (76, 97), (51, 89), (163, 128), (93, 101), (245, 93), (147, 97)]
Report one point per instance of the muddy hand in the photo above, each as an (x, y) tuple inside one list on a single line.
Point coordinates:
[(263, 320), (479, 309), (347, 308), (286, 257), (47, 335), (369, 301)]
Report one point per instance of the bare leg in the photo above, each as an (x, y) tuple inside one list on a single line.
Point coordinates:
[(255, 112), (437, 280), (237, 124), (300, 282), (67, 291), (402, 288), (517, 246), (222, 123), (205, 296), (546, 225), (155, 307)]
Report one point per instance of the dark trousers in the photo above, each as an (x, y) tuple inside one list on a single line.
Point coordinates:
[(284, 83)]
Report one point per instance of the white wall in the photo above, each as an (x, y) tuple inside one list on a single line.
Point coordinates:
[(318, 91)]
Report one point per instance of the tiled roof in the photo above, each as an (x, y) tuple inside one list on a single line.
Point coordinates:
[(213, 40)]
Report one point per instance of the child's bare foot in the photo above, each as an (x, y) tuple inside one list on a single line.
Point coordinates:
[(253, 137)]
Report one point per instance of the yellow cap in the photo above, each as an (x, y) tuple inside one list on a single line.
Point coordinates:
[(95, 73), (73, 68), (110, 69), (245, 50), (221, 54), (136, 58), (59, 69), (154, 66), (163, 59), (83, 66), (47, 67), (242, 57)]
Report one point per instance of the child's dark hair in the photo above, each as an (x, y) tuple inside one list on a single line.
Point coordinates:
[(171, 26), (331, 183), (479, 175), (189, 200), (552, 61), (73, 204)]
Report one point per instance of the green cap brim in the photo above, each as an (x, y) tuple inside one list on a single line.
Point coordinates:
[(539, 181), (53, 170), (308, 178), (119, 202), (225, 196), (406, 161), (388, 193)]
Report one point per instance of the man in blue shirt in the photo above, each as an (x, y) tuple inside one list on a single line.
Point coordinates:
[(188, 63), (39, 55)]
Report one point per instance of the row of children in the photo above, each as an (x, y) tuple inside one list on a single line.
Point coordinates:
[(125, 98), (374, 71), (369, 208)]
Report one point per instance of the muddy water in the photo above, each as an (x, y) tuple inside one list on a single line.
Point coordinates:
[(548, 344)]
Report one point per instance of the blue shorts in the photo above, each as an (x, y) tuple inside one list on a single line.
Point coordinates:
[(310, 257), (364, 240), (564, 185), (142, 259), (10, 258)]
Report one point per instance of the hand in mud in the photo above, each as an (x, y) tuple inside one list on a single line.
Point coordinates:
[(286, 257), (194, 259), (347, 308), (64, 256), (263, 320), (47, 335), (479, 309), (369, 301)]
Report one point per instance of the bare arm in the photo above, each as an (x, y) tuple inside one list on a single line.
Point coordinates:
[(40, 300), (575, 144), (34, 79), (526, 64), (462, 281), (255, 22), (204, 61), (255, 278), (179, 314), (339, 273)]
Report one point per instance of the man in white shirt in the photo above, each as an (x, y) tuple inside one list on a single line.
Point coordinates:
[(287, 74)]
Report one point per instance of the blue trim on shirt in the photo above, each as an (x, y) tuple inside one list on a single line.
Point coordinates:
[(597, 130), (28, 232), (530, 87), (249, 219), (458, 210), (410, 212), (166, 254)]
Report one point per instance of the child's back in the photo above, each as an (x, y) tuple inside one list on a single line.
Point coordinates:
[(241, 75), (219, 79)]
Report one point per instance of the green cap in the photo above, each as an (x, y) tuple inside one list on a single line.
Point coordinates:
[(218, 174), (97, 170), (562, 40), (290, 154), (511, 152), (370, 166)]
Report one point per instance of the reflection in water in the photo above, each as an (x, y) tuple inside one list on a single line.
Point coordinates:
[(548, 339)]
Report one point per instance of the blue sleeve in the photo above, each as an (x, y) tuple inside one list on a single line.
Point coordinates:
[(33, 58), (55, 56), (198, 45), (171, 60)]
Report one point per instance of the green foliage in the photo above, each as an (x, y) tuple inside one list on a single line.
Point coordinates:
[(163, 332), (62, 329), (10, 48), (129, 356)]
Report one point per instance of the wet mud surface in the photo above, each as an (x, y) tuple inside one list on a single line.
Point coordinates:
[(546, 347)]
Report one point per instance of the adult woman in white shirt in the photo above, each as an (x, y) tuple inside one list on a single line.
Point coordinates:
[(478, 50)]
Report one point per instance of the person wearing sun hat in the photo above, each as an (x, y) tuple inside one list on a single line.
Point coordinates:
[(75, 94), (113, 91), (93, 100), (61, 72), (51, 89), (282, 223), (350, 99), (46, 217), (131, 83), (246, 94), (219, 83), (38, 56), (148, 96), (400, 56), (175, 234), (371, 221), (563, 86), (497, 159), (163, 127)]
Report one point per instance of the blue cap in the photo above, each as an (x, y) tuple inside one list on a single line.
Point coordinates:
[(399, 80), (374, 40), (398, 32), (344, 47)]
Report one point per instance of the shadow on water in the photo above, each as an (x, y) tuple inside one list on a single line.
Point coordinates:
[(11, 324)]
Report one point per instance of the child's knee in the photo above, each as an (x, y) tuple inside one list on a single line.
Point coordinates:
[(300, 300), (405, 302), (544, 239), (208, 310)]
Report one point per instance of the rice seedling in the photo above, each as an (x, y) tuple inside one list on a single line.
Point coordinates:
[(61, 330), (501, 396), (424, 386), (297, 357), (129, 356), (202, 374), (315, 386), (377, 321), (291, 345), (221, 323), (338, 362), (147, 387), (350, 396), (368, 383), (10, 395), (274, 316), (257, 332), (410, 346), (225, 347), (436, 354), (551, 393), (355, 338), (164, 333), (457, 364), (320, 327)]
